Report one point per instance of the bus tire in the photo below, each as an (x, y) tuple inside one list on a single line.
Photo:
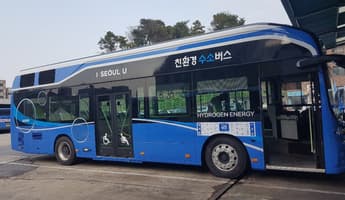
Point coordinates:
[(65, 151), (226, 157)]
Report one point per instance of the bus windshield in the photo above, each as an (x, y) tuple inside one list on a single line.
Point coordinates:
[(336, 88)]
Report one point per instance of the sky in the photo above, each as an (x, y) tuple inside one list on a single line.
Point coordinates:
[(40, 32)]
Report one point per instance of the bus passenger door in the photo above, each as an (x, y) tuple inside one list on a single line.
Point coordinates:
[(123, 125), (114, 125), (291, 114)]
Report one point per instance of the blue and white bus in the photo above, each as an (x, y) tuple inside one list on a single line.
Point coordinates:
[(4, 117), (259, 97)]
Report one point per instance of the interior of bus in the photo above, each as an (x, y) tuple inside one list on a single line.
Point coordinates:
[(291, 116)]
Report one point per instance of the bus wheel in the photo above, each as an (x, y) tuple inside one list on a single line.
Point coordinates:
[(64, 151), (226, 157)]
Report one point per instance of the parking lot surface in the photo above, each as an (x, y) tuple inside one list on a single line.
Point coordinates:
[(25, 176)]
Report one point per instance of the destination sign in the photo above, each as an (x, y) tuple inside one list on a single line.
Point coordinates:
[(203, 58), (113, 71)]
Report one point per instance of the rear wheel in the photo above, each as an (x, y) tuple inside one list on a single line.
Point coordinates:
[(65, 151), (226, 157)]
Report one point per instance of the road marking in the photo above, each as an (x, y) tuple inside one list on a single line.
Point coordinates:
[(122, 173), (293, 189)]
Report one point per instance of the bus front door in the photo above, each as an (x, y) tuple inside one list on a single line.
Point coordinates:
[(114, 125), (291, 118)]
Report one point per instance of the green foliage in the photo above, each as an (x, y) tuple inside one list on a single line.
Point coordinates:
[(151, 31), (181, 30), (197, 28), (226, 20), (111, 42)]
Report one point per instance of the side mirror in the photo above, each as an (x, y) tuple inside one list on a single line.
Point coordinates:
[(340, 102), (316, 60)]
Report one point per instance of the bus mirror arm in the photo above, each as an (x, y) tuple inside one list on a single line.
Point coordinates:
[(316, 60)]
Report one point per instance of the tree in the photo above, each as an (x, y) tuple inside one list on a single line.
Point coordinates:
[(171, 31), (226, 20), (138, 37), (181, 30), (111, 42), (122, 42), (149, 32), (197, 28), (107, 42)]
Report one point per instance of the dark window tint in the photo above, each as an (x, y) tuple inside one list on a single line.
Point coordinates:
[(169, 96), (227, 94), (68, 104), (223, 95), (27, 80), (33, 101), (46, 77), (140, 103), (5, 106), (62, 109), (84, 107), (4, 112)]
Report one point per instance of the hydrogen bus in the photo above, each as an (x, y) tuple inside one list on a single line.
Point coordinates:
[(259, 97), (4, 117)]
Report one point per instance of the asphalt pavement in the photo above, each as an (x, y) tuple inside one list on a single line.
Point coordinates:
[(25, 176)]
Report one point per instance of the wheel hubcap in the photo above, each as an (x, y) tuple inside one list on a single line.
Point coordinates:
[(64, 151), (224, 157)]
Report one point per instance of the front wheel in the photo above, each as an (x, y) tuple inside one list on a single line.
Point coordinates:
[(65, 151), (226, 157)]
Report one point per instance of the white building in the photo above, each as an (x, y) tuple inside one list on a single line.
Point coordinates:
[(3, 90)]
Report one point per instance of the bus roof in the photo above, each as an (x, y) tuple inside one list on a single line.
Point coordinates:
[(163, 45), (254, 32)]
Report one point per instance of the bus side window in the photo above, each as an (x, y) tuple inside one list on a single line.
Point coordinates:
[(168, 100), (169, 96), (67, 104), (140, 102), (223, 95), (84, 108), (206, 102), (62, 109), (219, 103)]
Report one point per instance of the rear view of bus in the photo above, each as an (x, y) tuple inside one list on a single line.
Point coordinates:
[(260, 96), (4, 117)]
